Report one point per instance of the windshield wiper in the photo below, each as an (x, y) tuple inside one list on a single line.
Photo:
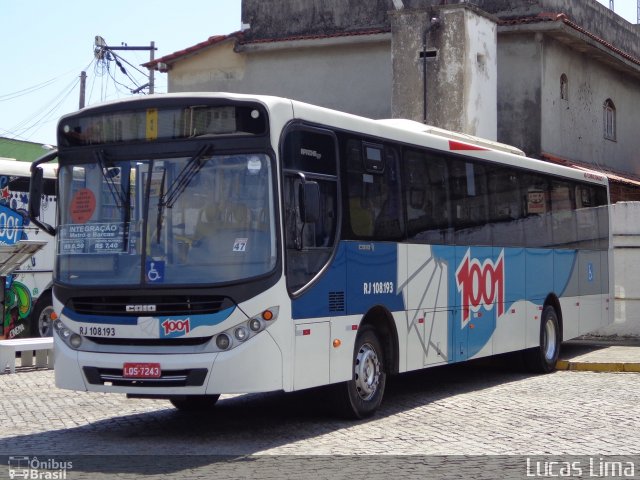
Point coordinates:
[(168, 199), (108, 174)]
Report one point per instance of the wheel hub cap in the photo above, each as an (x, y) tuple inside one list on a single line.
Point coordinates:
[(367, 372)]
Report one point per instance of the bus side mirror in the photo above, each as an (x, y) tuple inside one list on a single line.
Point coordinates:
[(309, 202), (35, 192), (36, 189)]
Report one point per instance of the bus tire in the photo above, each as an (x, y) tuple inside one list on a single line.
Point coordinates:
[(361, 396), (194, 403), (543, 358), (41, 321)]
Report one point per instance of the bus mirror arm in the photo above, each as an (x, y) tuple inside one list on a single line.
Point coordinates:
[(36, 187)]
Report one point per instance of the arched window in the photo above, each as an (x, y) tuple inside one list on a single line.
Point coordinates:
[(564, 87), (609, 117)]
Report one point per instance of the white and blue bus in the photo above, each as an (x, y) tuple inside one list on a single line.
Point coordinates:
[(224, 243), (27, 304)]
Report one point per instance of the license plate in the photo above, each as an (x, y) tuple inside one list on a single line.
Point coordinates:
[(141, 370)]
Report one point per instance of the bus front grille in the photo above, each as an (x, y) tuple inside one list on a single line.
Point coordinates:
[(149, 305), (151, 342), (170, 378)]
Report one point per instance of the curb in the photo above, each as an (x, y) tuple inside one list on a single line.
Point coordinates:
[(598, 367)]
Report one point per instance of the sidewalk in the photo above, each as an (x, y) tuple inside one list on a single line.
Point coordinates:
[(600, 355)]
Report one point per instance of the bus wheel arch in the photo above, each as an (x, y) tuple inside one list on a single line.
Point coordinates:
[(375, 355), (381, 321)]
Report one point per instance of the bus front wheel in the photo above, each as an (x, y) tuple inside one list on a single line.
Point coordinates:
[(361, 396), (543, 358), (194, 403)]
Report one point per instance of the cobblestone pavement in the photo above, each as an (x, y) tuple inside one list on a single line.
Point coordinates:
[(458, 410)]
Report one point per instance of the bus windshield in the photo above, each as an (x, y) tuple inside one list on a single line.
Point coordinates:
[(203, 219)]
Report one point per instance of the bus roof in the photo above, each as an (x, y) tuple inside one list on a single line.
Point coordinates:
[(400, 130), (9, 166)]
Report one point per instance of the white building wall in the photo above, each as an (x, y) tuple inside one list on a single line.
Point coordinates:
[(626, 240), (481, 117)]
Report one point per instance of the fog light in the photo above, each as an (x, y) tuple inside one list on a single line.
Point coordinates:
[(255, 325), (66, 333), (223, 341), (75, 340), (241, 333)]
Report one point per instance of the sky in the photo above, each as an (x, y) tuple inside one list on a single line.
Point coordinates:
[(45, 44)]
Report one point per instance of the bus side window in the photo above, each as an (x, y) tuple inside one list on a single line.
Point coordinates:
[(373, 198), (537, 224), (586, 217), (563, 214), (505, 207), (470, 202), (425, 193)]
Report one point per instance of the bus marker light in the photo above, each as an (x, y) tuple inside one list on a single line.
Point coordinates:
[(241, 333), (54, 316), (255, 325), (306, 331), (267, 315), (336, 343), (354, 327), (472, 326), (421, 320)]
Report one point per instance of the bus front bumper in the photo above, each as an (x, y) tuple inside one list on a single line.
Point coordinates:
[(255, 366)]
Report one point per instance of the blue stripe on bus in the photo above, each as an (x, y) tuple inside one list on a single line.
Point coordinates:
[(365, 274)]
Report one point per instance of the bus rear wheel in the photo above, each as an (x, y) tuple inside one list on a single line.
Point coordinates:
[(543, 358), (194, 403), (361, 396), (41, 322)]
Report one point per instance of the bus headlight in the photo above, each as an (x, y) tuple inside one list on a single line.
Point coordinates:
[(73, 340), (238, 334), (223, 341)]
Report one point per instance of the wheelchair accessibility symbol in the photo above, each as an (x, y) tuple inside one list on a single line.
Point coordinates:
[(590, 272), (155, 271)]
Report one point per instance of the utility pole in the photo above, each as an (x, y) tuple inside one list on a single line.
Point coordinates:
[(151, 70), (83, 88), (101, 45)]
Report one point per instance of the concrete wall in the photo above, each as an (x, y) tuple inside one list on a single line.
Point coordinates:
[(589, 14), (461, 80), (284, 18), (533, 117), (626, 240), (519, 92), (355, 78), (574, 128)]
